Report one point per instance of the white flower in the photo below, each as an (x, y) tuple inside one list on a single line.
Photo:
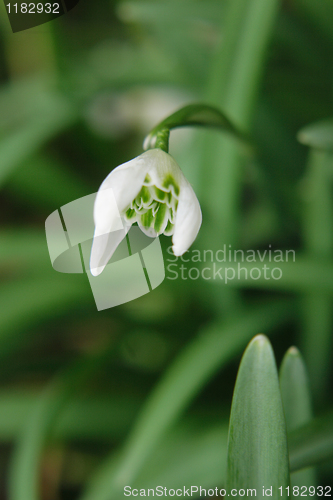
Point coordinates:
[(152, 191)]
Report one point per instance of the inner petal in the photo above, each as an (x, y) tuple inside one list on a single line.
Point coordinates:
[(147, 219), (146, 223), (154, 208), (144, 198), (147, 181), (170, 184), (130, 214), (169, 230), (161, 218), (159, 194), (171, 215)]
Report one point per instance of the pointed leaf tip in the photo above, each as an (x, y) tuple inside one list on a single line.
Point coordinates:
[(295, 389), (260, 340), (317, 135), (293, 351)]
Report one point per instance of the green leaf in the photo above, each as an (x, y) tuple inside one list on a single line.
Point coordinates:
[(318, 135), (54, 115), (296, 399), (185, 45), (185, 378), (295, 390), (123, 64), (233, 87), (24, 470), (159, 13), (99, 418), (23, 249), (316, 306), (312, 443), (194, 452), (320, 15), (45, 181), (299, 274), (257, 443), (317, 203), (37, 298)]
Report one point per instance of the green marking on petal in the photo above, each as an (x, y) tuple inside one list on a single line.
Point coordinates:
[(138, 202), (159, 194), (160, 217), (147, 219), (169, 229), (172, 215), (145, 195), (130, 214), (169, 182), (147, 180)]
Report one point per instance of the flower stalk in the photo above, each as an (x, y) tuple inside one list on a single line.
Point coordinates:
[(201, 115)]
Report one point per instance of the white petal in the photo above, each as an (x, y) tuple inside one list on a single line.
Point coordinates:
[(106, 213), (103, 248), (125, 183), (188, 219), (161, 166), (115, 194), (148, 231)]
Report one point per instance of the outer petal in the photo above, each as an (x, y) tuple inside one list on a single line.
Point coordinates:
[(103, 248), (188, 219), (115, 194), (125, 182), (164, 171)]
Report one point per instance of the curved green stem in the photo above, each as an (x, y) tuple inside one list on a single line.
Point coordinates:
[(191, 115), (161, 139)]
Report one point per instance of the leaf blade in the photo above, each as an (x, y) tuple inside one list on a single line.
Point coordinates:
[(257, 443), (297, 406)]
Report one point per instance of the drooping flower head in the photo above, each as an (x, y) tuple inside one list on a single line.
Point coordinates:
[(152, 191)]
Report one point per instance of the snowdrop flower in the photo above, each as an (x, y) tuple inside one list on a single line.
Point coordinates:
[(152, 191)]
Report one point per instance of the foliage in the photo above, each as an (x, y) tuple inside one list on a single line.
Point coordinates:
[(140, 394)]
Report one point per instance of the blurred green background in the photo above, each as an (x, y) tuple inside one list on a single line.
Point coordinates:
[(140, 394)]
